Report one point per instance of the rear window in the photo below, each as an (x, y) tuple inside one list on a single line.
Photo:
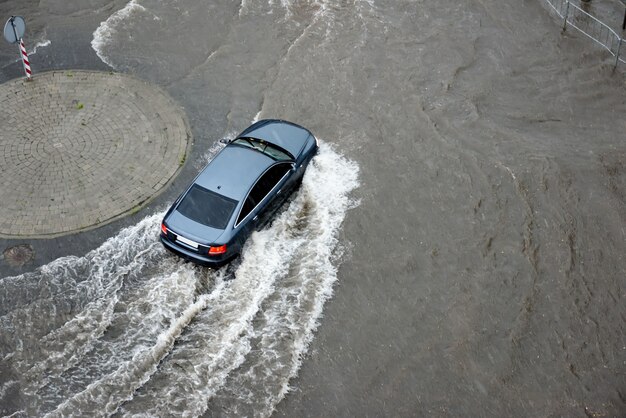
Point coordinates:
[(207, 207)]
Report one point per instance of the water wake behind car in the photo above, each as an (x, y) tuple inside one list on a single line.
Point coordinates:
[(132, 329)]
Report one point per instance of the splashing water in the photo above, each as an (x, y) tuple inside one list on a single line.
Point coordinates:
[(131, 329), (109, 29)]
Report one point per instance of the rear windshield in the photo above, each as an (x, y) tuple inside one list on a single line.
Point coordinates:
[(207, 207)]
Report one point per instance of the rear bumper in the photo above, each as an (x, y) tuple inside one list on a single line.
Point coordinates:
[(212, 261)]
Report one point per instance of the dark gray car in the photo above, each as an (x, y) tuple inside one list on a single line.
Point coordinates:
[(238, 191)]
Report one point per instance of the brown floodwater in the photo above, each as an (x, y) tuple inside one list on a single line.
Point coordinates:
[(457, 248)]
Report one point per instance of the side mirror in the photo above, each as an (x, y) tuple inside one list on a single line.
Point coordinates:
[(224, 141)]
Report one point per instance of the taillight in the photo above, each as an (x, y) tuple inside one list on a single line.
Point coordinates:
[(163, 229), (217, 250)]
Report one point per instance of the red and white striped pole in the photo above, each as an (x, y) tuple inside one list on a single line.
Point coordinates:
[(25, 61)]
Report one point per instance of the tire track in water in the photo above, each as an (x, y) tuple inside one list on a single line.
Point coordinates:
[(285, 324), (131, 329)]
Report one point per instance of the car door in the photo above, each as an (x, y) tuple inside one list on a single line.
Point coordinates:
[(278, 177), (261, 201)]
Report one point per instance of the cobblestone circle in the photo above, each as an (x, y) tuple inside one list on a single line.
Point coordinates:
[(80, 148)]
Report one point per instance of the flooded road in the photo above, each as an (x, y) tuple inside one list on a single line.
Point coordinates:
[(467, 210)]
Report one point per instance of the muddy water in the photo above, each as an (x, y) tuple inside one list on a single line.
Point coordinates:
[(480, 270)]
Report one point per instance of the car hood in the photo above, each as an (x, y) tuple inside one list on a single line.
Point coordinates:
[(202, 234)]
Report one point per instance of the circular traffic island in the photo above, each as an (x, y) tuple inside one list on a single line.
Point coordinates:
[(82, 148)]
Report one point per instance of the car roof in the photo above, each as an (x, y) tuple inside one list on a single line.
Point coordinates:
[(286, 135), (233, 171)]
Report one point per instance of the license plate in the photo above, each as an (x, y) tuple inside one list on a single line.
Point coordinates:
[(187, 241)]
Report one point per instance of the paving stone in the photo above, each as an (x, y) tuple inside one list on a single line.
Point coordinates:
[(80, 148)]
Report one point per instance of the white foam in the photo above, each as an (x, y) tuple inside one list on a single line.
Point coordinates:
[(105, 395), (107, 30), (243, 8), (89, 284), (212, 152), (19, 413), (40, 44), (6, 385)]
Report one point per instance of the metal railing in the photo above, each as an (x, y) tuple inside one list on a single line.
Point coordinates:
[(589, 26)]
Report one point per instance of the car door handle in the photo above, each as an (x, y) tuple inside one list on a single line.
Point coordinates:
[(279, 192), (255, 218)]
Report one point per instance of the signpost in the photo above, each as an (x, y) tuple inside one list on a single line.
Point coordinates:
[(13, 31)]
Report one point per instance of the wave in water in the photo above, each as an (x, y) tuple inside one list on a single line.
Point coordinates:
[(108, 29)]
